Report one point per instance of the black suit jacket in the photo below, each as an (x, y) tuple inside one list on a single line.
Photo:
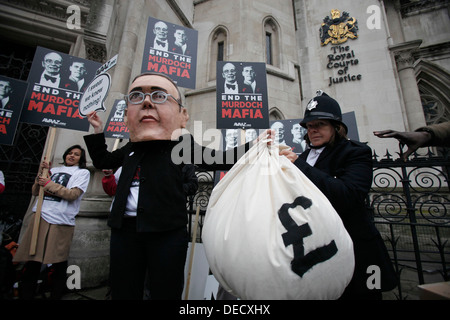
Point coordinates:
[(162, 200), (245, 88), (11, 105), (72, 85), (177, 49), (344, 175)]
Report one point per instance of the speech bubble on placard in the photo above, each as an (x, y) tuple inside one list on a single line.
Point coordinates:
[(93, 98)]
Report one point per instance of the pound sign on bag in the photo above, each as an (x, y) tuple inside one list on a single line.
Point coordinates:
[(295, 234)]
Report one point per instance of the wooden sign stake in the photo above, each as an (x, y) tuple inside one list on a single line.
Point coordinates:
[(191, 256), (37, 216)]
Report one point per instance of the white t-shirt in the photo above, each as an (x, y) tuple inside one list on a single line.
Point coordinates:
[(133, 196), (56, 210)]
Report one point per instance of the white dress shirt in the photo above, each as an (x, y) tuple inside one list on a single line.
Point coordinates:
[(313, 156)]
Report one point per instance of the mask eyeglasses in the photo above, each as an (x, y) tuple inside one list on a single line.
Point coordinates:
[(158, 97), (55, 62)]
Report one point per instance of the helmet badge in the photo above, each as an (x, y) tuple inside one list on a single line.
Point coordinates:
[(311, 105)]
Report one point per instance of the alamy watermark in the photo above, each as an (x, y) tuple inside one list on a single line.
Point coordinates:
[(74, 279), (74, 20), (372, 22), (374, 280)]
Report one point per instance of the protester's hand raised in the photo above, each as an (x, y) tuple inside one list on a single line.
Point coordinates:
[(413, 140), (95, 121)]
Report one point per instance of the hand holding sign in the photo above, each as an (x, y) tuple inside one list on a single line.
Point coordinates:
[(94, 97), (95, 121)]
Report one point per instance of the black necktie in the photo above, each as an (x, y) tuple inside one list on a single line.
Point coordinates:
[(52, 79), (231, 86), (163, 44)]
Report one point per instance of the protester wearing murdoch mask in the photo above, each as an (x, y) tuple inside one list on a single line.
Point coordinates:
[(153, 236), (342, 170)]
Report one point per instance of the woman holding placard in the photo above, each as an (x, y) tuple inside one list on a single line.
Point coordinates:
[(64, 187)]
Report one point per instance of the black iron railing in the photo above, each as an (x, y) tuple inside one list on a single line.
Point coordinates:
[(410, 202)]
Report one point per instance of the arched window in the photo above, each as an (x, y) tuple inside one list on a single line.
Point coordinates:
[(434, 88), (218, 50), (272, 42), (275, 114)]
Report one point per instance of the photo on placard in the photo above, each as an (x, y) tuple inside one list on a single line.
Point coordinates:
[(280, 132), (56, 84), (289, 132), (12, 93), (251, 134), (241, 95), (231, 138), (115, 126), (171, 49), (296, 134)]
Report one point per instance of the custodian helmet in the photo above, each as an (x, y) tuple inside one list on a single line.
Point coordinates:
[(322, 107)]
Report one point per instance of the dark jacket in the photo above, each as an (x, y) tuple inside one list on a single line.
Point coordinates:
[(162, 200), (344, 175)]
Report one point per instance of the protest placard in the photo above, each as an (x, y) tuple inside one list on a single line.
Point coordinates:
[(242, 95), (56, 84), (94, 97), (171, 49), (115, 124), (12, 93)]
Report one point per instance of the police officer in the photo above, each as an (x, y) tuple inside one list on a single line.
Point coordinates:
[(342, 170)]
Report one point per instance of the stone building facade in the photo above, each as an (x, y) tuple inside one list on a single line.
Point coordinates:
[(387, 61)]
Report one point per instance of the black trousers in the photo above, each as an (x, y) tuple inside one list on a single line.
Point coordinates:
[(28, 283), (132, 253)]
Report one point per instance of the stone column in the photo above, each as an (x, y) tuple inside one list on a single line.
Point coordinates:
[(97, 28), (135, 20), (90, 245), (404, 59)]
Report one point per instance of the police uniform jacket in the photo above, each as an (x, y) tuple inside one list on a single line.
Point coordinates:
[(343, 172)]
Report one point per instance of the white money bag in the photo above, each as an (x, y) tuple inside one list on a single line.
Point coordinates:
[(270, 233)]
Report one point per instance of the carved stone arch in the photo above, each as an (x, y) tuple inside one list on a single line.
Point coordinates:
[(218, 40), (434, 87), (276, 114)]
